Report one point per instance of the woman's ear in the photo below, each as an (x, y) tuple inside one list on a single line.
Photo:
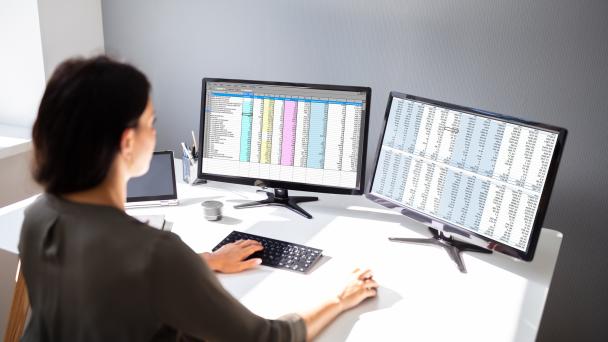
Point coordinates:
[(127, 142)]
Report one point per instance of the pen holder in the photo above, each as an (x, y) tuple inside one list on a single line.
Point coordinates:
[(189, 169)]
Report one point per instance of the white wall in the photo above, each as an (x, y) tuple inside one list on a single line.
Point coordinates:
[(21, 63), (35, 36), (69, 28)]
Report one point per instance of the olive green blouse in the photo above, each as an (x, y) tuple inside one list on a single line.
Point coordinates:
[(94, 273)]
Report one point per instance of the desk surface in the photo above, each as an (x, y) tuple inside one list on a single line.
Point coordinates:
[(423, 296)]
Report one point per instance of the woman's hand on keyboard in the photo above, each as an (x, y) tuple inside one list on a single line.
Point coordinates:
[(230, 258)]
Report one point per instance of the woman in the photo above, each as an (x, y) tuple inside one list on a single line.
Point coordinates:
[(94, 273)]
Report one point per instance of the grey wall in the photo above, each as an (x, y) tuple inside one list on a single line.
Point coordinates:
[(540, 60)]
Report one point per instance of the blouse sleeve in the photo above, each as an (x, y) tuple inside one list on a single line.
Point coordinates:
[(188, 297)]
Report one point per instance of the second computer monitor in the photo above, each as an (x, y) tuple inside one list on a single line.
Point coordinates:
[(468, 171), (284, 135)]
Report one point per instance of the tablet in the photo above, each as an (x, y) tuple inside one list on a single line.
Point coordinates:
[(156, 187)]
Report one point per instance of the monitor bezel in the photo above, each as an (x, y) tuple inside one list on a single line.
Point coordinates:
[(479, 239), (272, 183), (171, 196)]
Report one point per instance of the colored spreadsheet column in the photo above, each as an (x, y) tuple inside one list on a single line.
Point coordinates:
[(463, 141), (382, 172), (477, 143), (277, 130), (413, 126), (491, 148), (302, 128), (246, 129), (256, 129), (316, 134), (289, 132), (267, 131)]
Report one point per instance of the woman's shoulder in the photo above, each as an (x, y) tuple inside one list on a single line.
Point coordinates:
[(40, 211), (48, 209), (82, 223)]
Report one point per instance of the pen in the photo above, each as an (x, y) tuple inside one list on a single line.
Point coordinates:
[(186, 152), (195, 147)]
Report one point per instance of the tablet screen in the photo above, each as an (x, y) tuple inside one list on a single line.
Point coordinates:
[(158, 183)]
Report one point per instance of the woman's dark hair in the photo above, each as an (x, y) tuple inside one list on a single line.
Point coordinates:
[(87, 105)]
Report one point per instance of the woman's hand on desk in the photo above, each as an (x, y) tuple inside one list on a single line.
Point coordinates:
[(230, 258), (361, 287)]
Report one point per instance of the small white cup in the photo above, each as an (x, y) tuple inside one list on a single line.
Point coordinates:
[(212, 210)]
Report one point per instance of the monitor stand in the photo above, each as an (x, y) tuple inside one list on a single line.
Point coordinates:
[(281, 198), (452, 246)]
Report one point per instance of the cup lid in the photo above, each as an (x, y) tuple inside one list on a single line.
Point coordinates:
[(212, 204)]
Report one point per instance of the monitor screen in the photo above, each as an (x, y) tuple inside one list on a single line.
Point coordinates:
[(289, 135), (484, 173), (156, 184)]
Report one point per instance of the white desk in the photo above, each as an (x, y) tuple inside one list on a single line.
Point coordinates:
[(423, 296)]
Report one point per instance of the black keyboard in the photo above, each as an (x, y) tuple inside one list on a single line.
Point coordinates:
[(277, 253)]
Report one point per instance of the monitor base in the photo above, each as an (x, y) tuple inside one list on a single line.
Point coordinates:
[(452, 246), (280, 197)]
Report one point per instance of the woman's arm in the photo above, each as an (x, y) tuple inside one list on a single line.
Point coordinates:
[(186, 295), (230, 258)]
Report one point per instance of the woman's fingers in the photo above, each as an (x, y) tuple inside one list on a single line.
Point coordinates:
[(247, 251), (370, 284), (247, 264), (364, 274), (370, 288), (247, 243)]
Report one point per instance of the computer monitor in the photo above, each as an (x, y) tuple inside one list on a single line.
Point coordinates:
[(481, 176), (296, 136)]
